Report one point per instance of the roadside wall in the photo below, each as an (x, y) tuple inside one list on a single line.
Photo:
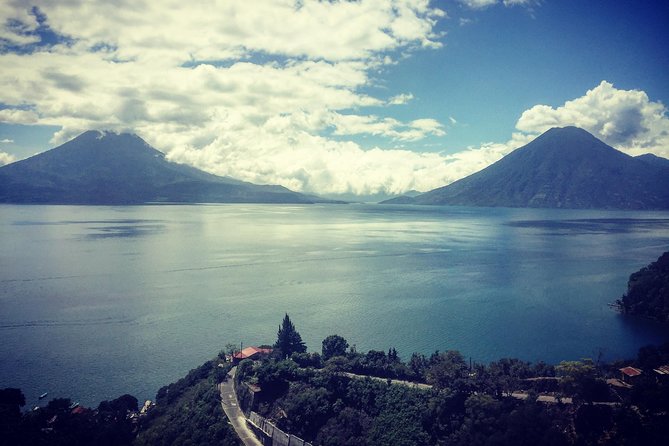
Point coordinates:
[(246, 397), (270, 435)]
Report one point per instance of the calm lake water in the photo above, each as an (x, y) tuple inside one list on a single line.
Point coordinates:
[(100, 301)]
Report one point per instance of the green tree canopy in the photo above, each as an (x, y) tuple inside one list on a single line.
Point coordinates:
[(288, 339), (334, 345)]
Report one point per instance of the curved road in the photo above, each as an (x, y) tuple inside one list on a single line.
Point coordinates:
[(233, 412)]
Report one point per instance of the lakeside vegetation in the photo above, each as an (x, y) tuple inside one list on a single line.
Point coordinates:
[(340, 396), (187, 412), (648, 291), (335, 397)]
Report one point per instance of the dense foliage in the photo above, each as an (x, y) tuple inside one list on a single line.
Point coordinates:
[(188, 412), (356, 399), (288, 340), (344, 397), (334, 345), (61, 422), (648, 291)]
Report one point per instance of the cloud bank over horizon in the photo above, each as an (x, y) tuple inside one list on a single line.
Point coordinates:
[(278, 92)]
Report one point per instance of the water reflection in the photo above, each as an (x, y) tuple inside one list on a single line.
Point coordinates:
[(594, 225)]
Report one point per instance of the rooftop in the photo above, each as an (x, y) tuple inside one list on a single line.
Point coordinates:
[(248, 352), (630, 371), (663, 370)]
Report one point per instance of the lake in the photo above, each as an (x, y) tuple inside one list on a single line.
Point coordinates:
[(100, 301)]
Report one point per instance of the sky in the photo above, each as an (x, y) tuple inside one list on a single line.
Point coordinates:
[(334, 97)]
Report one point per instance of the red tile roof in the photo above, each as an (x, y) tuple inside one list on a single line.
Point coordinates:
[(630, 371), (249, 352)]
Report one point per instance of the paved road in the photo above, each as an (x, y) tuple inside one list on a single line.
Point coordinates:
[(234, 413), (392, 381)]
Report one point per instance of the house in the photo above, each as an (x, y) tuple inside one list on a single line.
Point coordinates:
[(250, 353), (628, 374), (662, 373), (78, 410)]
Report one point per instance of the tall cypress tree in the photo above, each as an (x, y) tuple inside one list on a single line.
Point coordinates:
[(288, 340)]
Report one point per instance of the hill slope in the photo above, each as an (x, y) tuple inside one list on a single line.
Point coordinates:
[(108, 168), (563, 168), (648, 291)]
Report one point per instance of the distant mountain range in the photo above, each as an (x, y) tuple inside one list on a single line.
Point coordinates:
[(109, 168), (563, 168)]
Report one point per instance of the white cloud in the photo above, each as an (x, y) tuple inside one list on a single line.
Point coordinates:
[(6, 158), (6, 141), (401, 99), (166, 32), (17, 116), (269, 91), (625, 119), (325, 165), (478, 4), (266, 91), (21, 29), (388, 127), (519, 2), (279, 152), (481, 4)]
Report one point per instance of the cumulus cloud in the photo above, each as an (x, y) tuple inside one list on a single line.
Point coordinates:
[(18, 116), (400, 99), (166, 31), (335, 167), (265, 92), (519, 2), (273, 91), (392, 128), (324, 165), (478, 4), (481, 4), (6, 141), (625, 119), (6, 158), (19, 25)]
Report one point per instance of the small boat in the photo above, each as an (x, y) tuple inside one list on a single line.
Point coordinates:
[(42, 396)]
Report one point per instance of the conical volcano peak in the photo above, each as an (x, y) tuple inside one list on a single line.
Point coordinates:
[(107, 167), (568, 135), (563, 168)]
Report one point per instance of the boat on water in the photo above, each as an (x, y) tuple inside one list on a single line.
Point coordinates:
[(42, 396)]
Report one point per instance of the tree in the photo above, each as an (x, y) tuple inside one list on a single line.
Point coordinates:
[(12, 400), (288, 340), (334, 345), (575, 375), (447, 370)]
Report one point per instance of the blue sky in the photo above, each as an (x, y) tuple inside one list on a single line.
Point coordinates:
[(507, 60), (375, 96)]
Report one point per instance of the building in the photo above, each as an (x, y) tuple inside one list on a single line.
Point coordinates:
[(628, 374), (250, 353), (662, 373)]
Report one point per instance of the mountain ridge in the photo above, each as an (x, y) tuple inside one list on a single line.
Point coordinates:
[(100, 167), (562, 168)]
